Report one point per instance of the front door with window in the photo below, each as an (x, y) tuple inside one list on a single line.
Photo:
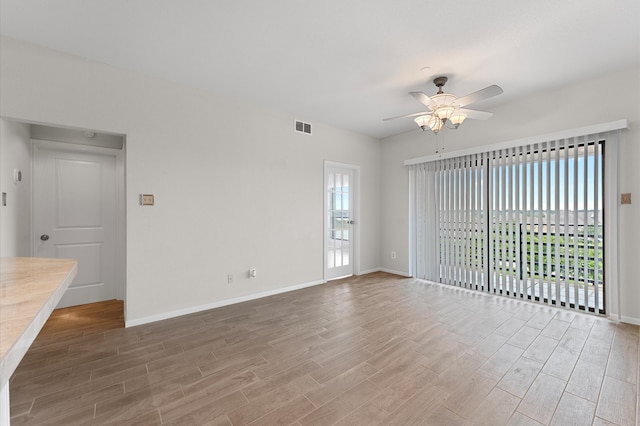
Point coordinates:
[(339, 220)]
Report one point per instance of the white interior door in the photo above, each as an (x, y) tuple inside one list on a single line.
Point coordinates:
[(339, 221), (74, 216)]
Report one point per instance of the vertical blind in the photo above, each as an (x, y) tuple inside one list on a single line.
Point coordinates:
[(524, 222)]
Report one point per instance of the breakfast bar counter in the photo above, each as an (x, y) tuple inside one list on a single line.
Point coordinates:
[(30, 289)]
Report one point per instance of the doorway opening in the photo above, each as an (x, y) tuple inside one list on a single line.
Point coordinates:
[(78, 208)]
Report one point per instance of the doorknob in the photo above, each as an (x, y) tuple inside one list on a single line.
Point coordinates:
[(351, 222), (44, 237)]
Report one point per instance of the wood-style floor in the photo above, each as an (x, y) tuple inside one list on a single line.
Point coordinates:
[(375, 349)]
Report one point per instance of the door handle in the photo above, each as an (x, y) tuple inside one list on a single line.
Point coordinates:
[(351, 222), (44, 237)]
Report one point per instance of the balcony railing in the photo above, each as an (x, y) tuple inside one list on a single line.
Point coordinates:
[(554, 262)]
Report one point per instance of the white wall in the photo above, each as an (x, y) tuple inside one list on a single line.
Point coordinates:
[(607, 98), (15, 217), (235, 188)]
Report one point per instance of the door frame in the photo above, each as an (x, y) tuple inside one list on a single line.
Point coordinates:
[(354, 233), (120, 238)]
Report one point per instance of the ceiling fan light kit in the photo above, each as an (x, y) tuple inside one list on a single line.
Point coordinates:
[(447, 108)]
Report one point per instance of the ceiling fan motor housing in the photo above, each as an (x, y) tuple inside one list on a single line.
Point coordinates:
[(440, 81)]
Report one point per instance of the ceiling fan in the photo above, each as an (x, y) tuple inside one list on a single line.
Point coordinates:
[(447, 108)]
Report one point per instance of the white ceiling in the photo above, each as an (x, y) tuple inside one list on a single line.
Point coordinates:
[(348, 63)]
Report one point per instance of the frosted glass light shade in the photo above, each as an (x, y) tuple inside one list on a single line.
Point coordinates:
[(445, 112), (435, 124), (423, 121), (457, 118)]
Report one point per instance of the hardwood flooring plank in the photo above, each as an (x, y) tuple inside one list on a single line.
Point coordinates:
[(496, 409), (524, 337), (468, 398), (520, 377), (596, 351), (178, 374), (285, 362), (201, 410), (617, 402), (444, 416), (556, 328), (561, 363), (574, 339), (218, 386), (542, 398), (46, 384), (397, 367), (501, 361), (597, 421), (340, 364), (541, 349), (286, 414), (197, 356), (490, 344), (573, 410), (340, 384), (79, 416), (519, 419), (405, 386), (87, 394), (338, 408), (418, 407), (263, 405), (151, 418), (586, 381), (459, 371), (623, 358), (129, 405), (366, 415), (542, 318), (229, 366), (256, 389)]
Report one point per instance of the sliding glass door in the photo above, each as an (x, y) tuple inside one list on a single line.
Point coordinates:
[(524, 222)]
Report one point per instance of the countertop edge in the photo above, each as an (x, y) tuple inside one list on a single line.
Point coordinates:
[(17, 351)]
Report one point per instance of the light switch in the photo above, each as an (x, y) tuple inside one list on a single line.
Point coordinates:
[(146, 199), (625, 198)]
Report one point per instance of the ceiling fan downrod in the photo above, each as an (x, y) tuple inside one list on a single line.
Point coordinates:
[(440, 82)]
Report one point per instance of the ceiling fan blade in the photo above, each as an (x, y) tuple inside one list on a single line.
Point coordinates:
[(415, 114), (482, 94), (423, 99), (476, 115)]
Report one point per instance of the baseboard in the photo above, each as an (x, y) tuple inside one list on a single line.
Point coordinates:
[(391, 271), (368, 271), (218, 304), (630, 320)]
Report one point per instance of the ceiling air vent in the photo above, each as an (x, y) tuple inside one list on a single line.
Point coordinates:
[(303, 127)]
